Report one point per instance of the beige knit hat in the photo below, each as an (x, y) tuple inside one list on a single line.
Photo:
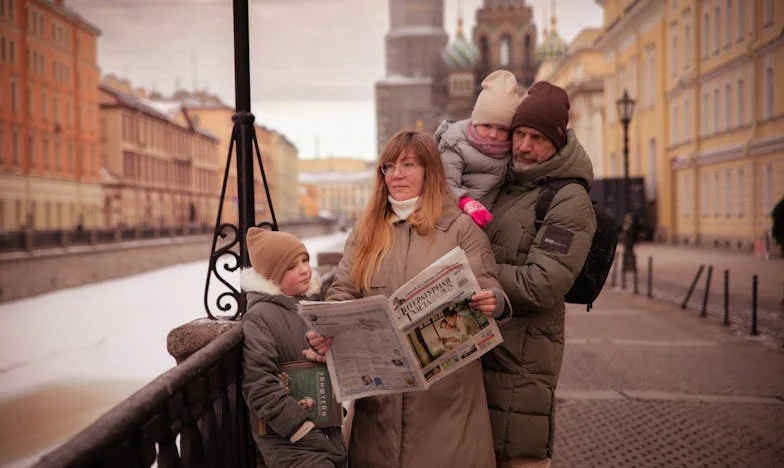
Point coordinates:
[(498, 100), (271, 252)]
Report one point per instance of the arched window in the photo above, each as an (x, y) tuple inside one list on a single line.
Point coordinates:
[(483, 49), (527, 50), (505, 51)]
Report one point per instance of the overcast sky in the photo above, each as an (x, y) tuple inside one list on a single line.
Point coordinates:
[(313, 62)]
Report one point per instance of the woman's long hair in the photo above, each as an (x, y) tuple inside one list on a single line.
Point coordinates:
[(374, 230)]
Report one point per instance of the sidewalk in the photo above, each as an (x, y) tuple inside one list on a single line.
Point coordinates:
[(646, 384), (674, 269)]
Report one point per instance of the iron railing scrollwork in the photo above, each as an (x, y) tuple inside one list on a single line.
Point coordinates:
[(232, 254), (191, 416)]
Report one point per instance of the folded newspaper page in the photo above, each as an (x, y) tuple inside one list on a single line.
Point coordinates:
[(422, 333)]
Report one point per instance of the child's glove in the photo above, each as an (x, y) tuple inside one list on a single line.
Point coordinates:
[(476, 211)]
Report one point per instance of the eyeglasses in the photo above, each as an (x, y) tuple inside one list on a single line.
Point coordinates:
[(405, 168)]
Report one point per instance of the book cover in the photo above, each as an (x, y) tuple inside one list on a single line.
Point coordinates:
[(309, 383)]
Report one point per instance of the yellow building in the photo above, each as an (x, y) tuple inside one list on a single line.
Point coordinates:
[(277, 154), (160, 168), (581, 73), (708, 130), (282, 173), (335, 187), (633, 45), (49, 135)]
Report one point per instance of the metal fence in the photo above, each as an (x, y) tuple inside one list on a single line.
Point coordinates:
[(191, 416), (31, 240)]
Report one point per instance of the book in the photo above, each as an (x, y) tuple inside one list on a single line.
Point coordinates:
[(310, 384)]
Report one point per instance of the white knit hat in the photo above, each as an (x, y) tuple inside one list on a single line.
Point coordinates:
[(498, 100)]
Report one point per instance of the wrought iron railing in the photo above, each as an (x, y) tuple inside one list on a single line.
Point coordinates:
[(191, 416)]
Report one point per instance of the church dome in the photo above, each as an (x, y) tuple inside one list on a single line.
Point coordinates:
[(551, 48), (460, 53)]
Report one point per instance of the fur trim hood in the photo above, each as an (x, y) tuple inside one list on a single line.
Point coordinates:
[(254, 282)]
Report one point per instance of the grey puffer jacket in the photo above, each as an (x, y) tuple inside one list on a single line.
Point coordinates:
[(521, 374), (468, 171), (274, 334)]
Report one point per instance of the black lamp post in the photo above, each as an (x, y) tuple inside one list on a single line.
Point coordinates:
[(229, 251), (625, 110)]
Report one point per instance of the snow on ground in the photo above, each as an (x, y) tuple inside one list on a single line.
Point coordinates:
[(109, 331)]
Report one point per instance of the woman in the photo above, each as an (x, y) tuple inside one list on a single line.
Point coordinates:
[(411, 221)]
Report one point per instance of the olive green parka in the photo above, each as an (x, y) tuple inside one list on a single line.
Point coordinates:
[(537, 268)]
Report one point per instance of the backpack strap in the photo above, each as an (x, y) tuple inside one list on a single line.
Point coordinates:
[(549, 188)]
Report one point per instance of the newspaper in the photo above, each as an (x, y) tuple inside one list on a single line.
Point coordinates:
[(422, 333)]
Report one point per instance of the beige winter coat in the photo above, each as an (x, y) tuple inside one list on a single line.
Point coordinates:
[(447, 425)]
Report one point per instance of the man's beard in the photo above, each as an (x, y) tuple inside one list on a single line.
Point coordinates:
[(521, 161)]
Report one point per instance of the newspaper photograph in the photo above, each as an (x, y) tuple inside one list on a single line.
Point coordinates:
[(425, 331)]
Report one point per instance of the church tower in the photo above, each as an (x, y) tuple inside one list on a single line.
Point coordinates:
[(461, 58), (506, 36), (411, 94)]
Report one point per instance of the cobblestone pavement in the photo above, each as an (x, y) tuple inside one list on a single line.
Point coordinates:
[(674, 269), (646, 384)]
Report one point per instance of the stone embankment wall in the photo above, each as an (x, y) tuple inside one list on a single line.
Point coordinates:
[(28, 273)]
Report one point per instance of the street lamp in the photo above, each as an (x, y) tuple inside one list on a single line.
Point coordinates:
[(625, 110)]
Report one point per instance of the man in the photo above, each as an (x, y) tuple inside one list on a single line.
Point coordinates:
[(536, 269)]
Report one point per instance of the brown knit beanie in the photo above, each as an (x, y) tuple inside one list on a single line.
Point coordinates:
[(271, 252), (546, 108), (498, 100)]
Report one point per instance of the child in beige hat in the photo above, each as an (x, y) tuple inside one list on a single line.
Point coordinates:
[(476, 151), (274, 334)]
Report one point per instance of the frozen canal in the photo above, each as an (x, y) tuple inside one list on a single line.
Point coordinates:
[(68, 356)]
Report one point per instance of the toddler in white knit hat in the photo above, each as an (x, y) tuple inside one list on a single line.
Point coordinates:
[(476, 151)]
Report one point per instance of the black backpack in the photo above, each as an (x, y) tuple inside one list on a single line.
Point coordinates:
[(589, 282)]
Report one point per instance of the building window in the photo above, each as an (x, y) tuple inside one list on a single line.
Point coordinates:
[(686, 119), (652, 182), (741, 194), (768, 92), (716, 30), (727, 106), (31, 148), (705, 36), (727, 194), (767, 14), (15, 145), (14, 97), (30, 103), (687, 195), (505, 52), (674, 125), (2, 46), (45, 152), (56, 154), (687, 46), (56, 109), (674, 50), (741, 104), (741, 20), (527, 50), (716, 194), (705, 113), (704, 195), (44, 113), (715, 110), (11, 51), (767, 189), (728, 23)]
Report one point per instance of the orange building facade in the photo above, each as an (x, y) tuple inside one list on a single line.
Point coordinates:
[(160, 167), (49, 132)]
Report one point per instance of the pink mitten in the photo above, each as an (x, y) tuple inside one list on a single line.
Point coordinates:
[(476, 211)]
